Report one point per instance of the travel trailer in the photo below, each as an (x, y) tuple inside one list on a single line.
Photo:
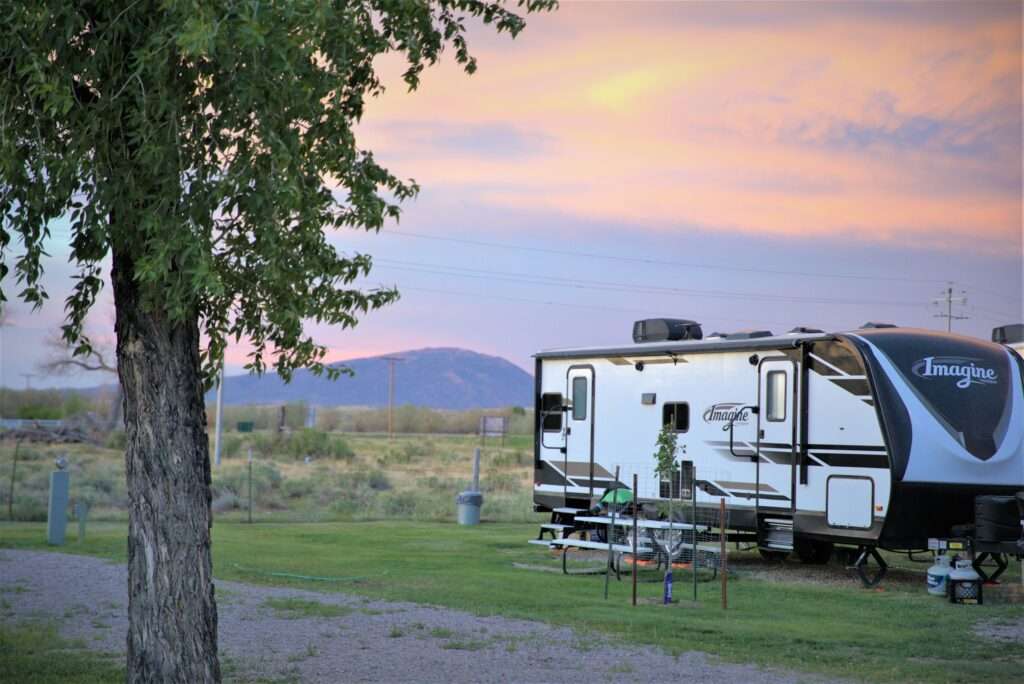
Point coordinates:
[(1010, 335), (879, 437)]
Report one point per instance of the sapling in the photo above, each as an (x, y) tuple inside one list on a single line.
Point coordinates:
[(665, 466)]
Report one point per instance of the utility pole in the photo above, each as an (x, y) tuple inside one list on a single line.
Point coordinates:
[(392, 360), (28, 379), (948, 300)]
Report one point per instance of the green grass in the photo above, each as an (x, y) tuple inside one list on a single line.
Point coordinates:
[(898, 634), (293, 608), (33, 653)]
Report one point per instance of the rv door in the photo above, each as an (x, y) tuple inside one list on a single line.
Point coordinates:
[(776, 444), (579, 427)]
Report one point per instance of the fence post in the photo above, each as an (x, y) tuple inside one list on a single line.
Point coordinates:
[(723, 563), (250, 485), (611, 536), (694, 521), (636, 514), (14, 471)]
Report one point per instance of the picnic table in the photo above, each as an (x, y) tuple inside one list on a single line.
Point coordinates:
[(659, 540)]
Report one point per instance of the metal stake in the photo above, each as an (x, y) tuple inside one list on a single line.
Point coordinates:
[(694, 559), (721, 552), (610, 537), (636, 507)]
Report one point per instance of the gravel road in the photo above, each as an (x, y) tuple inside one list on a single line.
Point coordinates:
[(350, 639)]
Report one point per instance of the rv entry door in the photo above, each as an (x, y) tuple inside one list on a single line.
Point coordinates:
[(579, 427), (776, 443)]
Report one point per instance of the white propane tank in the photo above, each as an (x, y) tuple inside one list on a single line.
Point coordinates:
[(964, 583), (938, 576)]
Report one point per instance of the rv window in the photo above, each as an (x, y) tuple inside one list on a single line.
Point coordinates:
[(776, 395), (579, 398), (676, 414), (551, 410)]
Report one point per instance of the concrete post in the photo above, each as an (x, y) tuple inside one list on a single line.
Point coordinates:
[(57, 513)]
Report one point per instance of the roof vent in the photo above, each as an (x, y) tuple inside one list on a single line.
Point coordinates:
[(748, 334), (804, 330), (875, 324), (663, 329), (1008, 334)]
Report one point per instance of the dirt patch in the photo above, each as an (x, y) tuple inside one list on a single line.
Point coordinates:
[(1002, 629), (834, 573)]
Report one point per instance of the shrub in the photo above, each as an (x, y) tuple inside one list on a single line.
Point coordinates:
[(400, 505), (378, 481), (117, 439), (297, 489)]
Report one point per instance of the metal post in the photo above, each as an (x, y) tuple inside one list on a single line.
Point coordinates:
[(476, 470), (250, 485), (219, 414), (611, 537), (14, 471), (693, 563), (636, 507), (723, 565)]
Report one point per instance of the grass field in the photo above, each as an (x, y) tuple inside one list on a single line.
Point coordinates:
[(303, 476), (895, 634)]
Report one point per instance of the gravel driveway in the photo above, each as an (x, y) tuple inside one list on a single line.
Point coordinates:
[(275, 634)]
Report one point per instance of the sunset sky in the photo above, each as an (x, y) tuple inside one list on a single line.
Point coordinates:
[(744, 165)]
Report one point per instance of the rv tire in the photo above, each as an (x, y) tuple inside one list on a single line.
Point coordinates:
[(773, 556)]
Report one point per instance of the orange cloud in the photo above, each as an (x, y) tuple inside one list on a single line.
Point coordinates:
[(876, 126)]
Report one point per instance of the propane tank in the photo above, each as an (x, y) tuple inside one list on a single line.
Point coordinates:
[(964, 583), (938, 576)]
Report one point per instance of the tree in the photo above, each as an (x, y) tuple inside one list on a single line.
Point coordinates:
[(203, 147), (63, 360)]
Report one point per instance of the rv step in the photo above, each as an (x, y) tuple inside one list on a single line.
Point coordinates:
[(776, 545), (567, 511), (777, 534), (540, 542), (555, 526)]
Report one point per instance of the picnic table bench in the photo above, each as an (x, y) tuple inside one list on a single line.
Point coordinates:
[(657, 541)]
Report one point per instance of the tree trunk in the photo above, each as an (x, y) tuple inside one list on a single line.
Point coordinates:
[(172, 615)]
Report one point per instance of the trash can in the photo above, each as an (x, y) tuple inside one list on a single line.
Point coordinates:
[(468, 504)]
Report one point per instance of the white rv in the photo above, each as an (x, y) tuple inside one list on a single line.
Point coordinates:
[(1010, 335), (878, 437)]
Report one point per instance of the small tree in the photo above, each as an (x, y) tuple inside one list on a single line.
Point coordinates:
[(665, 468)]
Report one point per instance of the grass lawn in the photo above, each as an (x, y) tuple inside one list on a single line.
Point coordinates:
[(894, 634), (34, 653)]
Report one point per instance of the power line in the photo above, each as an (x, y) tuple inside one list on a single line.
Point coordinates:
[(575, 305), (588, 284), (657, 262)]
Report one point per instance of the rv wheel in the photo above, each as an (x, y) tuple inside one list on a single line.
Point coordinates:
[(812, 551), (774, 556)]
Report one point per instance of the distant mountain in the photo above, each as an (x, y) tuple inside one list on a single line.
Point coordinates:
[(444, 378)]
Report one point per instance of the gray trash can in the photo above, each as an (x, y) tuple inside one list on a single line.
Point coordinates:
[(468, 504)]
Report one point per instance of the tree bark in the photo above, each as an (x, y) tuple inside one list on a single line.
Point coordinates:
[(172, 614)]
